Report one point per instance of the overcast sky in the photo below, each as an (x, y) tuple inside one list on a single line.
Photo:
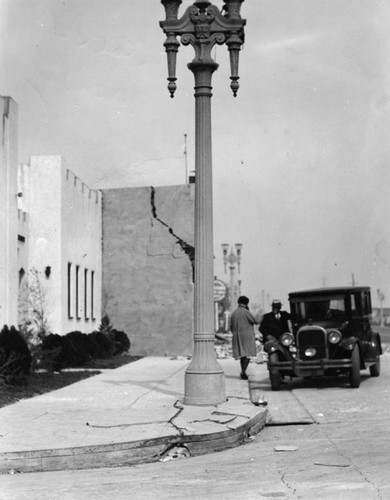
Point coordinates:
[(300, 157)]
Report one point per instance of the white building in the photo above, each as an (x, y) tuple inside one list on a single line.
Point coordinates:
[(8, 212), (63, 245)]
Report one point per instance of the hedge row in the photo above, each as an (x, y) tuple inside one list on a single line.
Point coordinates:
[(76, 348), (56, 352)]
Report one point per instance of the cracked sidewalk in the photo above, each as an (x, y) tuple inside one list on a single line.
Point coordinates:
[(126, 416)]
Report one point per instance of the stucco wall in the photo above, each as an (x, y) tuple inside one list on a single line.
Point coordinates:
[(43, 195), (64, 226), (147, 269), (8, 212), (81, 245)]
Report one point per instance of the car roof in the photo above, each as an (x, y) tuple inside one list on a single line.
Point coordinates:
[(328, 291)]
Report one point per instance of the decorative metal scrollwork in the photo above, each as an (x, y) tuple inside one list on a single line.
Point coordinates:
[(203, 26)]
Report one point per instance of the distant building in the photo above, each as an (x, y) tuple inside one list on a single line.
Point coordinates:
[(381, 315)]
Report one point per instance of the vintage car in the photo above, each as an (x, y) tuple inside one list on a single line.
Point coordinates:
[(331, 335)]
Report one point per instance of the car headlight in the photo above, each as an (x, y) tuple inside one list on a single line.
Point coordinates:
[(334, 336), (310, 352), (286, 339)]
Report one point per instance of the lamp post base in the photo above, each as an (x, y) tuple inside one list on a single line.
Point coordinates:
[(204, 380), (204, 389)]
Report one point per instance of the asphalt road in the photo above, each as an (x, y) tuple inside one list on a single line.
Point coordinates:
[(344, 454)]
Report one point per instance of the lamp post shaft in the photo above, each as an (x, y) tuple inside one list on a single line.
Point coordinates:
[(204, 274), (232, 291), (204, 378)]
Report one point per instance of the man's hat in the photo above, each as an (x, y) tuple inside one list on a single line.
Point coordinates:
[(276, 302)]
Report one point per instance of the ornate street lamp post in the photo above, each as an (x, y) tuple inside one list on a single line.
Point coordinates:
[(232, 259), (203, 26)]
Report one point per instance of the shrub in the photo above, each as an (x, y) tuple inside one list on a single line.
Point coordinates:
[(120, 341), (81, 347), (101, 345), (56, 352), (15, 356)]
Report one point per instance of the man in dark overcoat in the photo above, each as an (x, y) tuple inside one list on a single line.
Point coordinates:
[(274, 323)]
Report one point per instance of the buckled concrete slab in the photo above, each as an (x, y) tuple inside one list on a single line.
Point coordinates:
[(130, 415)]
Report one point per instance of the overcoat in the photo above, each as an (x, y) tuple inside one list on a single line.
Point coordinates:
[(241, 326), (272, 326)]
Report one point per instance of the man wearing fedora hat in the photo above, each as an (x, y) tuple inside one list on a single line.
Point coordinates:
[(274, 323)]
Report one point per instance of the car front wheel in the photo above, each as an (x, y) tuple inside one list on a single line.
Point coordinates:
[(354, 373), (274, 374)]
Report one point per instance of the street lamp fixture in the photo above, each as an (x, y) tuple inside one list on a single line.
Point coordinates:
[(232, 259), (225, 249), (238, 252), (203, 26)]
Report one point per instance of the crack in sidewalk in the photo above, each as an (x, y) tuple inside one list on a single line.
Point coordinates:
[(353, 465)]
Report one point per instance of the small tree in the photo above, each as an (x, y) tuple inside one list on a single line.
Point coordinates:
[(33, 308), (105, 325)]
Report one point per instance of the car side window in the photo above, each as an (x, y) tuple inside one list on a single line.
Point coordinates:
[(367, 304), (355, 304), (354, 310)]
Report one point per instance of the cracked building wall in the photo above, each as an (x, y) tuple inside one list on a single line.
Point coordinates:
[(147, 266)]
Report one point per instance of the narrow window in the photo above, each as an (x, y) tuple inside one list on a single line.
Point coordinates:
[(93, 294), (77, 292), (86, 314), (70, 301)]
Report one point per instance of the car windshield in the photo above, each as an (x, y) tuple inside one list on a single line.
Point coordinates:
[(319, 309)]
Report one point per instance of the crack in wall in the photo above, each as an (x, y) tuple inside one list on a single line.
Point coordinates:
[(188, 249)]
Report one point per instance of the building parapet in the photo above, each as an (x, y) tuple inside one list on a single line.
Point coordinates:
[(84, 188)]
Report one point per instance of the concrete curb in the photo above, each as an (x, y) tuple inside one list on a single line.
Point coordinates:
[(129, 453)]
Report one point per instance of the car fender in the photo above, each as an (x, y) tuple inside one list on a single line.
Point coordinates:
[(274, 346), (378, 341), (349, 344)]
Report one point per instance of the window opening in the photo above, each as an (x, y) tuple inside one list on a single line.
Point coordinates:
[(70, 301)]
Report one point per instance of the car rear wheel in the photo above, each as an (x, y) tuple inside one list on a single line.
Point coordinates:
[(375, 369), (354, 373), (274, 374)]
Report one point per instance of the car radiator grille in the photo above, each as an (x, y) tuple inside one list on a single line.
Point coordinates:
[(312, 337)]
